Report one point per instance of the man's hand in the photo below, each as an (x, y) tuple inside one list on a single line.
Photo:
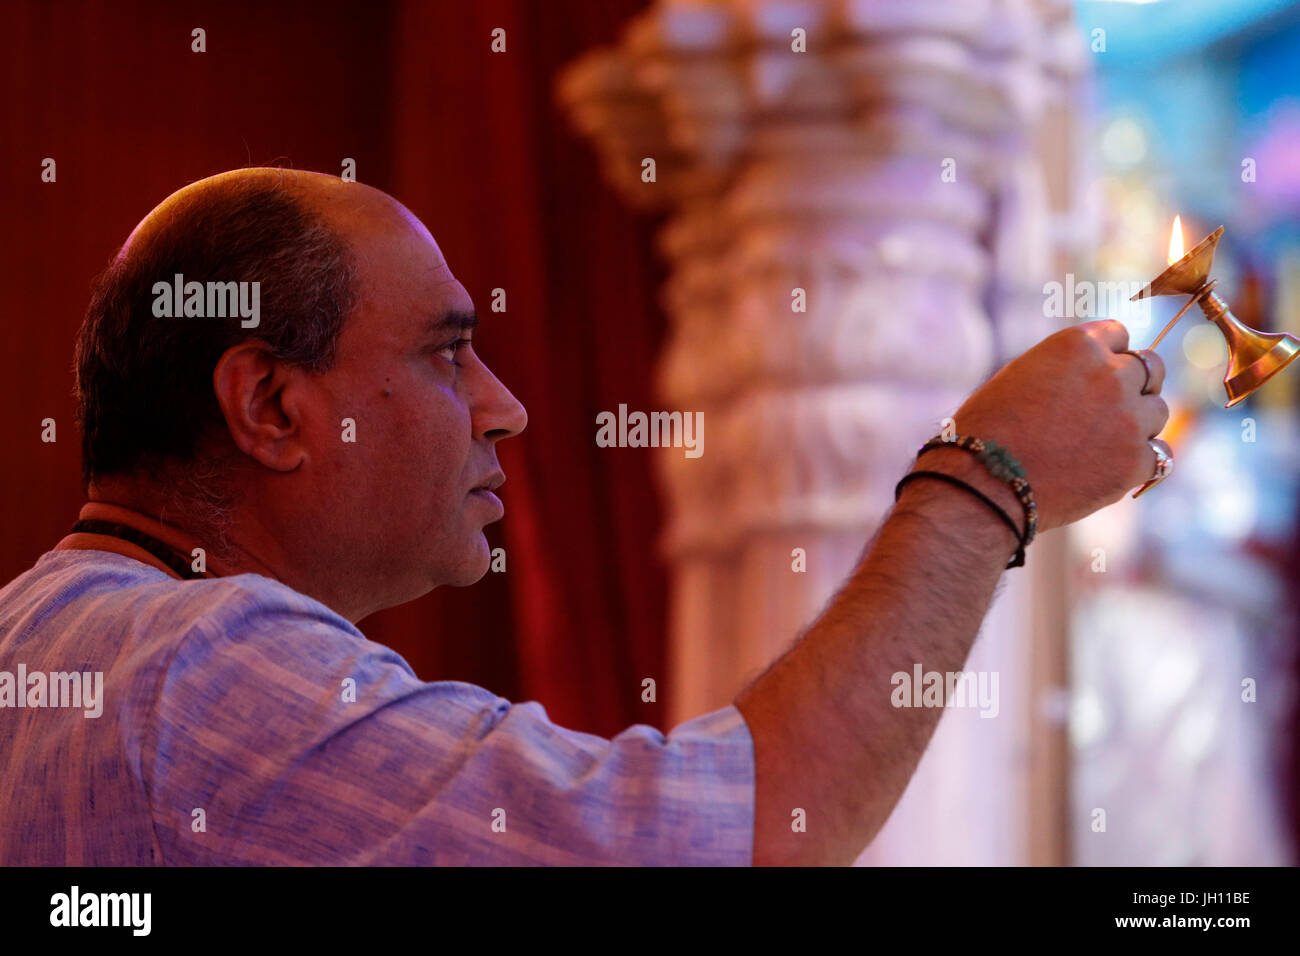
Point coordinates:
[(1071, 409), (827, 738)]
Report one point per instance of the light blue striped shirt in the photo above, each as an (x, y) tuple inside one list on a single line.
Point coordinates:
[(229, 735)]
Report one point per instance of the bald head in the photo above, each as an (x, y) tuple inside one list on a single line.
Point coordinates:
[(343, 205)]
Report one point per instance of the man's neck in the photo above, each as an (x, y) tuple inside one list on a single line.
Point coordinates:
[(218, 562)]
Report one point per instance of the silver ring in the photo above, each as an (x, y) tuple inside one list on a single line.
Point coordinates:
[(1146, 364), (1164, 461), (1164, 466)]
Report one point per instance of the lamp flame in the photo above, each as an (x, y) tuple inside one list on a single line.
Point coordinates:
[(1176, 241)]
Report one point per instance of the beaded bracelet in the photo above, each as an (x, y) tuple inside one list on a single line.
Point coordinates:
[(1001, 464)]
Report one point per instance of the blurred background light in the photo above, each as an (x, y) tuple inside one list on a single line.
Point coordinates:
[(1196, 113)]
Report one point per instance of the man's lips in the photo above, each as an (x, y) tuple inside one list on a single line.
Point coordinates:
[(484, 493), (490, 484)]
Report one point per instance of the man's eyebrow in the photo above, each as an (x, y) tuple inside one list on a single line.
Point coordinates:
[(462, 319)]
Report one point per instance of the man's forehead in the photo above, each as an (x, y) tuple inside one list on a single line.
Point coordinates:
[(404, 263), (402, 268), (407, 292), (363, 214)]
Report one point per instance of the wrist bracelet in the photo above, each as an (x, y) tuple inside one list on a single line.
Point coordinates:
[(1002, 466), (1018, 560)]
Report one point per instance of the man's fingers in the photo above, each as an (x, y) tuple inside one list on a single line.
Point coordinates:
[(1135, 370), (1154, 415), (1110, 332)]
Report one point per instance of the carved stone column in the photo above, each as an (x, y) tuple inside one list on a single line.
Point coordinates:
[(858, 235)]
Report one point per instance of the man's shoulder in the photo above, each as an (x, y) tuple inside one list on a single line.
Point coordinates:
[(161, 641), (97, 592)]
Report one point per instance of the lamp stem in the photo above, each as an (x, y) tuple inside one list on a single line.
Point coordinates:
[(1196, 297)]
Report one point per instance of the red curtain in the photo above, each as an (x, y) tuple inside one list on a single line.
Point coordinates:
[(473, 142)]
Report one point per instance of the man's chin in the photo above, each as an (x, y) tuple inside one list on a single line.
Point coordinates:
[(477, 563)]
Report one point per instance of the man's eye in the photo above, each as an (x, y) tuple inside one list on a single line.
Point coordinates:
[(449, 350)]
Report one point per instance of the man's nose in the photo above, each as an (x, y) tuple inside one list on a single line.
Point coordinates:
[(496, 413)]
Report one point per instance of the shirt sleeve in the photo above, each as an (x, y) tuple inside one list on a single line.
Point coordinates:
[(273, 735)]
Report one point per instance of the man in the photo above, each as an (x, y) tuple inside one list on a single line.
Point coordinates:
[(259, 482)]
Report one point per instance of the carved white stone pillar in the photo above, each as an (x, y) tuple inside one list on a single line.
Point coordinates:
[(880, 167)]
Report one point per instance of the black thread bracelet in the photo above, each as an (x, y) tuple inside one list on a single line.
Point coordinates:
[(1018, 560), (997, 459)]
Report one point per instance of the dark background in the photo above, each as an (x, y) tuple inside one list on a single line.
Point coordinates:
[(475, 145)]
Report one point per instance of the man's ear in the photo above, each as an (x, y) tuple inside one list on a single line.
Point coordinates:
[(258, 398)]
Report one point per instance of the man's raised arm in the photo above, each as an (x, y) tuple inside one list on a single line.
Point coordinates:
[(827, 738)]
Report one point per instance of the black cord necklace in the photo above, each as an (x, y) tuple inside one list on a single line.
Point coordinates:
[(173, 559)]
